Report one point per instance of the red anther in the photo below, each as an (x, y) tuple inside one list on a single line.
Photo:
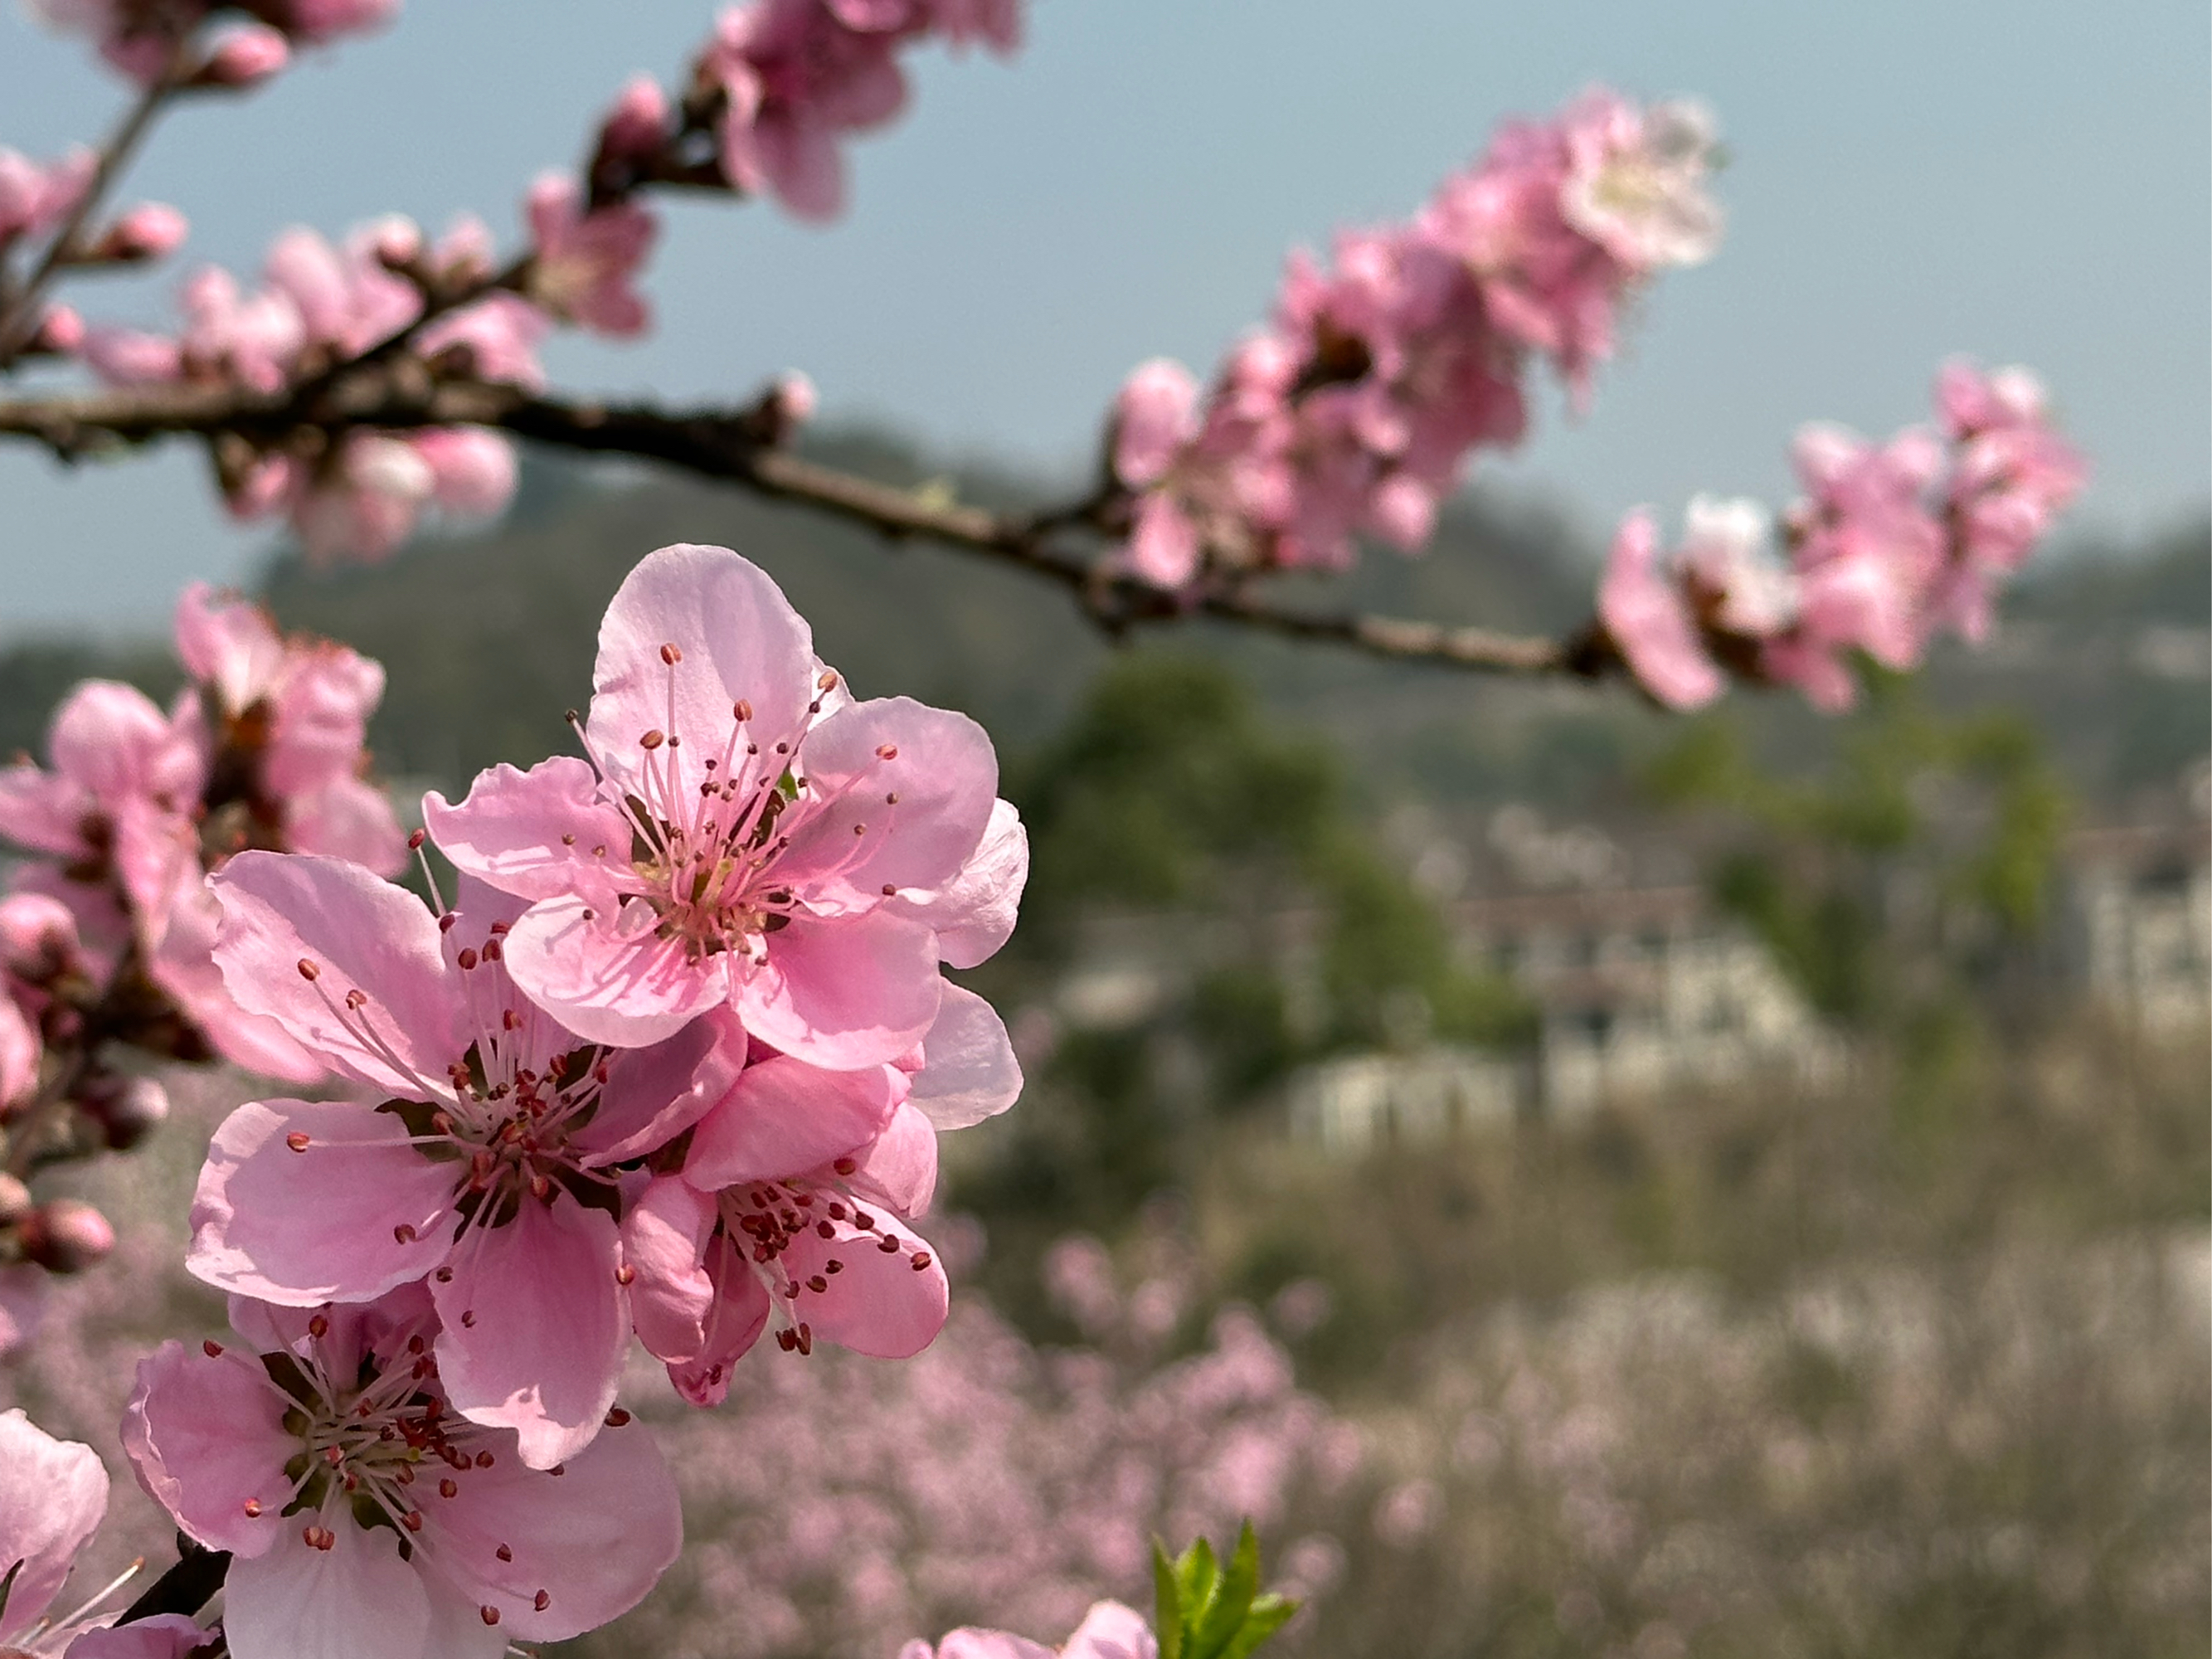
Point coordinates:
[(886, 752), (405, 1232), (652, 739), (412, 1519), (921, 1260), (447, 1488), (825, 1230), (670, 655), (297, 1140), (415, 841), (888, 1245), (844, 1166), (484, 1460), (625, 1275), (253, 1509), (467, 958), (468, 1314), (504, 1553), (542, 1600), (212, 1349), (357, 1000), (889, 891), (488, 1614), (318, 1327), (816, 1284), (833, 1266), (307, 968)]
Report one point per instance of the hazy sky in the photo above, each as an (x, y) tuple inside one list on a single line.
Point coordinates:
[(2025, 181)]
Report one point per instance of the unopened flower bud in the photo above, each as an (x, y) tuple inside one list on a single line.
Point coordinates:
[(15, 1201), (66, 1235), (636, 126), (245, 56), (127, 1108), (152, 230), (60, 333)]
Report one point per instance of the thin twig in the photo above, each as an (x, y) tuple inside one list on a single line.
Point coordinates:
[(726, 445), (21, 318)]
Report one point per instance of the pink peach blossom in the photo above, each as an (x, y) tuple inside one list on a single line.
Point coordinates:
[(744, 835), (366, 1521), (587, 261), (493, 1168)]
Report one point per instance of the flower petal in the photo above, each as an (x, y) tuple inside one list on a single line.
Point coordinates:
[(206, 1434), (534, 1326), (608, 977), (52, 1495), (969, 1072), (354, 1212), (845, 993), (281, 910), (785, 1117)]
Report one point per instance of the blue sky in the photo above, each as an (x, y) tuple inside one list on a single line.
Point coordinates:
[(2025, 182)]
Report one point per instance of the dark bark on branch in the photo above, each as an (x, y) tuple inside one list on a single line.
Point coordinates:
[(734, 446)]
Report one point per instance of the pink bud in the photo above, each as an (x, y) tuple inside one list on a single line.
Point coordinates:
[(152, 230), (66, 1235), (245, 56), (636, 126), (60, 333)]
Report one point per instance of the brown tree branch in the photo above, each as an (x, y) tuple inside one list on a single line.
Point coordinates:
[(735, 446)]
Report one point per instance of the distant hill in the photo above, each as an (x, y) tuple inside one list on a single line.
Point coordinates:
[(489, 638)]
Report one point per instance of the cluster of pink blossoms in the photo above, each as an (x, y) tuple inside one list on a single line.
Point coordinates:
[(1892, 544), (1355, 410), (107, 935), (145, 38), (320, 307), (673, 1065)]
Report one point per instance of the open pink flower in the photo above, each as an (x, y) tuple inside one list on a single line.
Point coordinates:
[(367, 1520), (744, 835), (492, 1166), (792, 1199), (115, 808), (1109, 1631), (586, 262), (798, 77), (287, 727), (1647, 615)]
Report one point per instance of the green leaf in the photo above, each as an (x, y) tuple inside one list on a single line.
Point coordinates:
[(1224, 1617), (1196, 1576), (1267, 1614), (1167, 1597)]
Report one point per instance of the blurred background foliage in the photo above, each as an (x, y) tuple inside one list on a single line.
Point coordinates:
[(1621, 1302)]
